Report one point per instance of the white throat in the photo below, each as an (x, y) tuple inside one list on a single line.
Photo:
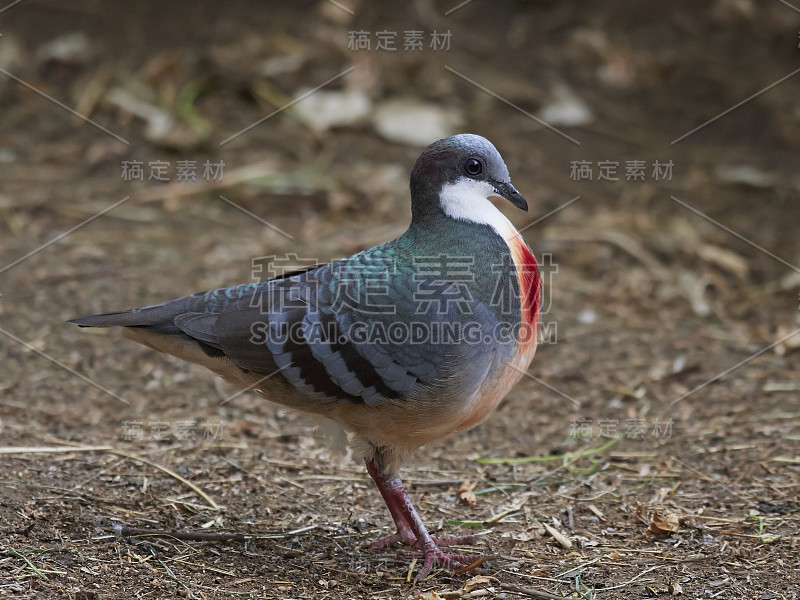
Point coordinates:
[(468, 200)]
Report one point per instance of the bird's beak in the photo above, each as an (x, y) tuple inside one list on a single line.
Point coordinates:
[(510, 193)]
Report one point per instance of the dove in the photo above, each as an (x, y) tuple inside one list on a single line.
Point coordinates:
[(401, 344)]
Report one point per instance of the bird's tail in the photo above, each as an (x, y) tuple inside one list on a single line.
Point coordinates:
[(160, 317), (157, 327)]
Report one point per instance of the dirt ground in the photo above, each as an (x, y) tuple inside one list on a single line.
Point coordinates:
[(654, 448)]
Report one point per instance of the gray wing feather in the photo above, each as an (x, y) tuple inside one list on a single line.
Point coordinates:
[(309, 341)]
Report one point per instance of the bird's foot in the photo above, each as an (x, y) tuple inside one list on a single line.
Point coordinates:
[(433, 552), (404, 535), (435, 556)]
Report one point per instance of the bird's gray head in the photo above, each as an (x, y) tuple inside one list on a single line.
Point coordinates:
[(457, 175)]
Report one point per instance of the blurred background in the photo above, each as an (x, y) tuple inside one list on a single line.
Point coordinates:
[(153, 149)]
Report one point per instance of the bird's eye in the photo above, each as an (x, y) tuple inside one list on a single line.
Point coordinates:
[(473, 167)]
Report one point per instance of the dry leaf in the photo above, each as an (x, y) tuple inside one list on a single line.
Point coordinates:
[(521, 536), (479, 560), (662, 523), (466, 492), (558, 536), (478, 580), (724, 258), (539, 574), (675, 588), (597, 512), (790, 343), (694, 287)]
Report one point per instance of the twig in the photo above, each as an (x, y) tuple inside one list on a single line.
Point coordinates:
[(568, 574), (171, 574), (563, 457), (218, 590), (503, 513), (18, 554), (205, 536), (193, 536), (171, 473), (109, 450), (410, 570), (533, 593), (630, 581), (51, 449)]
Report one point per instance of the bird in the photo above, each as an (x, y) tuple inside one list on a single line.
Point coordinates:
[(401, 344)]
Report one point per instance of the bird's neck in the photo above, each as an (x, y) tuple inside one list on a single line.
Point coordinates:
[(460, 215), (465, 201), (460, 220)]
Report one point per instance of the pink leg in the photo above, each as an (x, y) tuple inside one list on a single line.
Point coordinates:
[(410, 528), (404, 533)]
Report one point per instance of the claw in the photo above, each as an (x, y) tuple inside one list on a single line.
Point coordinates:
[(406, 538), (435, 556)]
